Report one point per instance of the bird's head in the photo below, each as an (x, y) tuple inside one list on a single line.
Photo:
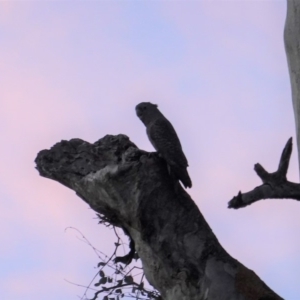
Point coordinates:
[(146, 111)]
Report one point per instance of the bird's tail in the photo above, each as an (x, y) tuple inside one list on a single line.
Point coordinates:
[(185, 179), (182, 175)]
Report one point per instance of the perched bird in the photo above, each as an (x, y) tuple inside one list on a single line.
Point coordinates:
[(164, 139)]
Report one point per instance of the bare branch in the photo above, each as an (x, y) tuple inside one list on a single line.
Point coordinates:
[(275, 185), (285, 158)]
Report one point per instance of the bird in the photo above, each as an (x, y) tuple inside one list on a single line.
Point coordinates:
[(164, 139)]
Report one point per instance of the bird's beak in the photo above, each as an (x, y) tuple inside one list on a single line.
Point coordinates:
[(138, 112)]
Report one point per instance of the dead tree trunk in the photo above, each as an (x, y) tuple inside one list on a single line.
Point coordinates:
[(181, 256), (292, 49)]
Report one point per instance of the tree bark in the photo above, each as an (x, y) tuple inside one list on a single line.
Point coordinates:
[(292, 49), (181, 256)]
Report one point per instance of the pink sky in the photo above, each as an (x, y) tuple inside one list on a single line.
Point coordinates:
[(217, 70)]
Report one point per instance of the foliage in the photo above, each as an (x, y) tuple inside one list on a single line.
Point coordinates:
[(116, 281)]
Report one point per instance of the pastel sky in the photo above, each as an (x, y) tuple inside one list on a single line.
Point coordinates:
[(76, 69)]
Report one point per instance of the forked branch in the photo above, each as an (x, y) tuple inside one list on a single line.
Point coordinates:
[(275, 185)]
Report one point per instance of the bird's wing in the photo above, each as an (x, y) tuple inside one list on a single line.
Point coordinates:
[(164, 139)]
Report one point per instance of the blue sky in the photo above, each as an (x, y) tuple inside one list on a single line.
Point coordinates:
[(217, 70)]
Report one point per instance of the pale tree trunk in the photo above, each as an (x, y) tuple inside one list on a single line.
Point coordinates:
[(181, 256), (292, 49)]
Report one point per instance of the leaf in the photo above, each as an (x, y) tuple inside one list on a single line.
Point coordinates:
[(101, 273), (122, 295), (128, 279), (105, 298), (119, 291), (103, 280), (133, 290), (109, 280), (98, 283), (100, 264), (120, 282)]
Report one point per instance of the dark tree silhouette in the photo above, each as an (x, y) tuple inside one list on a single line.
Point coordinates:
[(180, 254)]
